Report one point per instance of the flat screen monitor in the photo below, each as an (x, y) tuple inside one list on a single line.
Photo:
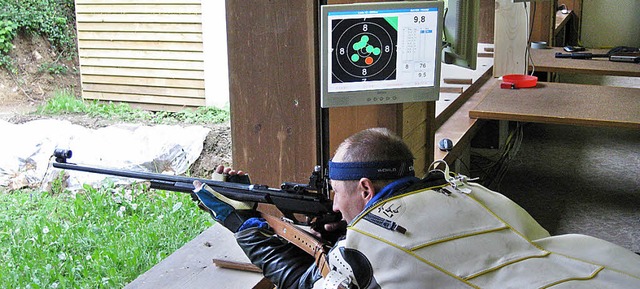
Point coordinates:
[(380, 53), (461, 22)]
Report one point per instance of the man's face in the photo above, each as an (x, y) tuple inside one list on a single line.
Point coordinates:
[(347, 199)]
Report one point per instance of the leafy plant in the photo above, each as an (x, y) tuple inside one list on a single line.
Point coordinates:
[(57, 185), (200, 115), (54, 68), (98, 238), (7, 33), (7, 63), (65, 102), (54, 19), (62, 102)]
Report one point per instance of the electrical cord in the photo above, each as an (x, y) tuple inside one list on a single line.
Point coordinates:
[(528, 29), (527, 53), (511, 150), (492, 172)]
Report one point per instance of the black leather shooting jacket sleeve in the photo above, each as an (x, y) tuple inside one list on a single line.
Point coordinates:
[(286, 265)]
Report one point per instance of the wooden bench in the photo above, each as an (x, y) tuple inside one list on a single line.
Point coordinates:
[(452, 110), (563, 103), (192, 266), (544, 60)]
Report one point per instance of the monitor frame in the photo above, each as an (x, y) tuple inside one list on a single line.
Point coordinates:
[(460, 33), (381, 93)]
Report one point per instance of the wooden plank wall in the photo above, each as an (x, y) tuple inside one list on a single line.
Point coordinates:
[(543, 15), (145, 52)]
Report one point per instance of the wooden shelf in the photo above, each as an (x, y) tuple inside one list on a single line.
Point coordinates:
[(561, 21), (563, 103), (544, 60)]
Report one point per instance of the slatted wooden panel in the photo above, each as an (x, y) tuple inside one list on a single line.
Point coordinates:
[(145, 52)]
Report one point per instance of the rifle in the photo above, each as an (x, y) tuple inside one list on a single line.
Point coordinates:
[(310, 200), (617, 57)]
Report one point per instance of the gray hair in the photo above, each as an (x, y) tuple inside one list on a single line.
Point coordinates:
[(370, 145), (373, 144)]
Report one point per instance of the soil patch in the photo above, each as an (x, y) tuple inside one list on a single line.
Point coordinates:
[(39, 73)]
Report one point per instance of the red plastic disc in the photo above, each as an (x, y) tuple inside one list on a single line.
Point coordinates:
[(520, 80)]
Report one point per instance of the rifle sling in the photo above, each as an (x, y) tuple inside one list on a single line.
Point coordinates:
[(301, 239)]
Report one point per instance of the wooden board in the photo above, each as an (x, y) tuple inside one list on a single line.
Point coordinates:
[(147, 81), (545, 60), (417, 131), (139, 18), (141, 36), (141, 8), (192, 265), (148, 90), (273, 88), (459, 127), (142, 52), (449, 103), (178, 102), (563, 103), (142, 27), (542, 20), (143, 63), (141, 72), (345, 121), (139, 45), (510, 38), (487, 20)]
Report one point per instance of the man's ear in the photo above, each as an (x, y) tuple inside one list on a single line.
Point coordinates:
[(366, 189)]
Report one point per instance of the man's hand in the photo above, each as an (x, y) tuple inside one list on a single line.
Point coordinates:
[(331, 232), (229, 213)]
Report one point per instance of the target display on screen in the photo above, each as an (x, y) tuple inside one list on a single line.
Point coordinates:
[(379, 53), (364, 49)]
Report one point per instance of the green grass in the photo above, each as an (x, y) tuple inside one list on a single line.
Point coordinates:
[(98, 238), (64, 102)]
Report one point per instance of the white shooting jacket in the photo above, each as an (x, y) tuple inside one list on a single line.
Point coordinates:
[(463, 235)]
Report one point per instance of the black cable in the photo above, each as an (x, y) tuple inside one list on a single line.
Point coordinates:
[(496, 171), (527, 52)]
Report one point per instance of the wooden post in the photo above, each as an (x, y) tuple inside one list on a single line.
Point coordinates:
[(273, 88), (274, 95), (510, 38)]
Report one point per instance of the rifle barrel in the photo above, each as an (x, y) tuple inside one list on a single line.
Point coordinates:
[(305, 202)]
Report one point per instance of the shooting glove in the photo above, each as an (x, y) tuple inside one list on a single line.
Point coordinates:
[(229, 213)]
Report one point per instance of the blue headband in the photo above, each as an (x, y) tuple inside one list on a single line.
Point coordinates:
[(382, 170)]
